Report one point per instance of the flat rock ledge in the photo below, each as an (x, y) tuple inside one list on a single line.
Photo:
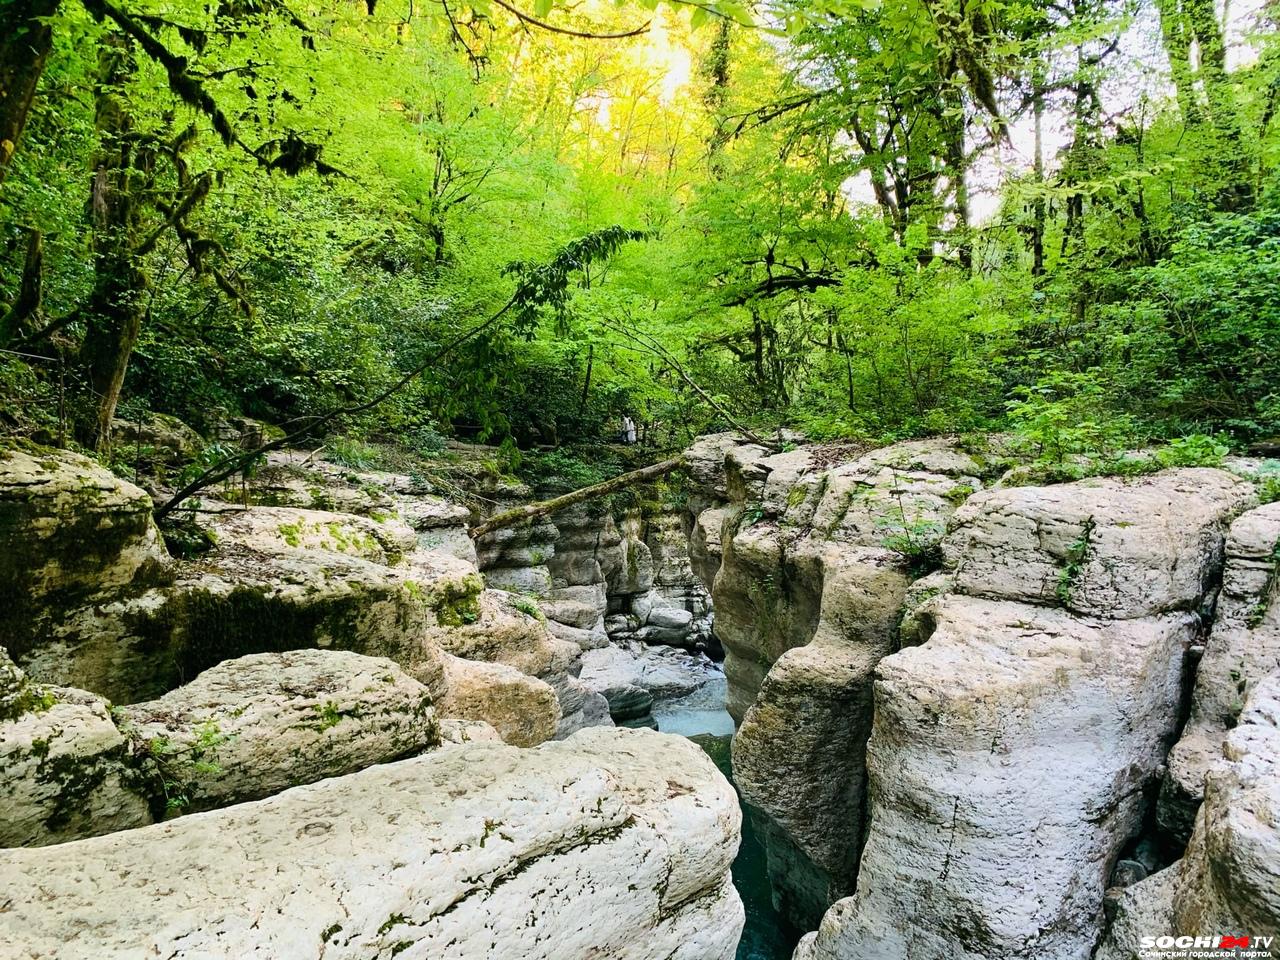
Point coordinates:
[(615, 843)]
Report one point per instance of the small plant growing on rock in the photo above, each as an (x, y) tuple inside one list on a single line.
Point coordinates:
[(181, 766), (916, 539), (1077, 555), (527, 606)]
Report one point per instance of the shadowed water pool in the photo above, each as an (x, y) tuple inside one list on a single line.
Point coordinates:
[(703, 719)]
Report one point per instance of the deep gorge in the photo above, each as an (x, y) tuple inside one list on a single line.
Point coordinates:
[(897, 732)]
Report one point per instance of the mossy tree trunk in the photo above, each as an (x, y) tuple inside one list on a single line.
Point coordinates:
[(25, 42), (113, 318)]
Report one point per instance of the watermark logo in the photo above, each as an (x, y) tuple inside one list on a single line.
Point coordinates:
[(1221, 946)]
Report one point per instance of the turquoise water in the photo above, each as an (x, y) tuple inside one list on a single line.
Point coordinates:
[(702, 718)]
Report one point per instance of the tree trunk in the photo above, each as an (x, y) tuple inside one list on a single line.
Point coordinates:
[(1038, 205), (1175, 33), (117, 304), (25, 43), (531, 511)]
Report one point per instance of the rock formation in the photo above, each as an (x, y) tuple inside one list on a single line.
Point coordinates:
[(1013, 753), (1228, 881), (812, 552), (70, 533), (136, 624), (254, 726), (1243, 646), (65, 769), (615, 843)]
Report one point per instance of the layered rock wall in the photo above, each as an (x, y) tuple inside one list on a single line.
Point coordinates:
[(812, 551), (1014, 753)]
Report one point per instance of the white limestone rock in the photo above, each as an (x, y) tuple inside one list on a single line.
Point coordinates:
[(1243, 646), (256, 725), (241, 601), (612, 844), (272, 529), (799, 754), (1008, 760), (630, 678), (1103, 546), (1230, 877), (65, 770)]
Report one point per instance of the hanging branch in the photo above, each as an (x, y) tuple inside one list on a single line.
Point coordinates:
[(542, 25), (509, 518), (538, 284), (653, 346), (229, 466)]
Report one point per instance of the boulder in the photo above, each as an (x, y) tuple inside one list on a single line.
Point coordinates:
[(671, 618), (157, 436), (591, 639), (1104, 546), (239, 601), (1008, 761), (631, 678), (704, 462), (615, 843), (273, 529), (1141, 910), (254, 726), (523, 709), (71, 532), (942, 455), (65, 770), (533, 581), (581, 606), (1243, 646)]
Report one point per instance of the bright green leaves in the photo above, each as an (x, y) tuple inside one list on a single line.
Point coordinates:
[(541, 286)]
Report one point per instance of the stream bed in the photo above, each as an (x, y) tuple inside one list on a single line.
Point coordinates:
[(702, 718)]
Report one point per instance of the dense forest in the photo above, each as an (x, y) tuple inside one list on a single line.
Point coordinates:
[(520, 224)]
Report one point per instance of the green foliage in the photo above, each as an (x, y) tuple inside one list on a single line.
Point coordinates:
[(352, 453), (1065, 414), (1076, 557), (791, 219)]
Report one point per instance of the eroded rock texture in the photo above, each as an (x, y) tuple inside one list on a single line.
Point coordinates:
[(1243, 646), (1228, 881), (70, 533), (615, 843), (65, 769), (1008, 764), (134, 624), (1014, 751), (254, 726), (812, 552)]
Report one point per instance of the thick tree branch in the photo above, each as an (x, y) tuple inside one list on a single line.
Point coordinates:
[(653, 346), (542, 25)]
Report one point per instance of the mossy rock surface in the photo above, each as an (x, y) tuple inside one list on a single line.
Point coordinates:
[(70, 532), (238, 602)]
